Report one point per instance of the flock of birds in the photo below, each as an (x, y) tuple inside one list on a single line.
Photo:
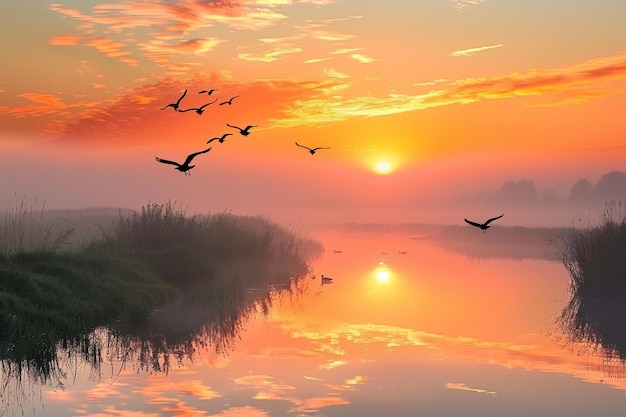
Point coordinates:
[(186, 166)]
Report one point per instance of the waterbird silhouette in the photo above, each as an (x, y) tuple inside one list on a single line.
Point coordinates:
[(177, 104), (221, 139), (229, 101), (245, 131), (483, 226), (311, 150), (209, 92), (184, 167), (198, 110), (326, 280)]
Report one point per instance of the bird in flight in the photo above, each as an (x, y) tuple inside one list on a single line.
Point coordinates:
[(184, 167), (209, 92), (483, 226), (229, 101), (221, 140), (198, 110), (245, 131), (177, 104), (311, 150), (326, 280)]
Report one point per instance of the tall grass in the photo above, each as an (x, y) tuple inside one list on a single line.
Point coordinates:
[(153, 257), (595, 258), (24, 229)]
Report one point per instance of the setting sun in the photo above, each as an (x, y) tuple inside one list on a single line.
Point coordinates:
[(383, 167), (383, 275)]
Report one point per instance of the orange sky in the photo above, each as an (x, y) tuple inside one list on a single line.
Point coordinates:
[(453, 95)]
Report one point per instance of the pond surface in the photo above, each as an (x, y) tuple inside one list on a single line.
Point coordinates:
[(411, 325)]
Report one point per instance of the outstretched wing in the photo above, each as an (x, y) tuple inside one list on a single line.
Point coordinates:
[(204, 105), (181, 97), (472, 223), (189, 109), (319, 147), (236, 127), (493, 218), (212, 139), (305, 147), (193, 155), (165, 161), (249, 127)]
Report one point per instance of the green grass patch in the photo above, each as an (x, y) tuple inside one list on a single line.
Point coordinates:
[(51, 296)]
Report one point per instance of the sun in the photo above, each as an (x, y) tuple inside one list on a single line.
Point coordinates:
[(383, 275), (383, 167)]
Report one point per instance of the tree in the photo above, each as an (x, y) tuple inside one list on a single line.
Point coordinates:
[(581, 192)]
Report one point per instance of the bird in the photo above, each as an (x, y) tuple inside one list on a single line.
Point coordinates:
[(326, 280), (311, 150), (245, 131), (209, 92), (483, 226), (229, 101), (184, 167), (177, 104), (198, 110), (221, 140)]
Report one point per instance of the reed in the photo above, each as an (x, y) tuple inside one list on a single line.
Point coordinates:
[(147, 259), (24, 229), (596, 262)]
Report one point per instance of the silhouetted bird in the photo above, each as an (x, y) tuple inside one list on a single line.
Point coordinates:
[(326, 280), (483, 226), (198, 110), (184, 167), (311, 150), (177, 104), (229, 101), (245, 131), (209, 92), (220, 139)]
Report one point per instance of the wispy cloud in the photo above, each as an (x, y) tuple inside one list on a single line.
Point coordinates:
[(363, 59), (270, 56), (573, 84), (472, 51), (461, 5), (465, 387)]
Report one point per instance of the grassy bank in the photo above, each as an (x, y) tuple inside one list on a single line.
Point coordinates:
[(144, 260), (596, 260)]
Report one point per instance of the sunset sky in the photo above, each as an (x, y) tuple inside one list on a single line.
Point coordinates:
[(419, 101)]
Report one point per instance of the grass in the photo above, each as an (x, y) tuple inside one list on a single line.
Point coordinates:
[(51, 296), (595, 258)]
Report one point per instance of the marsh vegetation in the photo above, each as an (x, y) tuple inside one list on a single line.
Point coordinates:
[(153, 285), (596, 262)]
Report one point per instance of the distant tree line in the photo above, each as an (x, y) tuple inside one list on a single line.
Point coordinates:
[(610, 187)]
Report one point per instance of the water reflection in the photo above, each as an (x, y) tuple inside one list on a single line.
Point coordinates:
[(430, 332)]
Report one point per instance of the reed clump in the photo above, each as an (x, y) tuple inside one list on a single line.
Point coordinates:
[(595, 258), (158, 256)]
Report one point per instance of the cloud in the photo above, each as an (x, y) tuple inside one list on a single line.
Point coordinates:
[(572, 84), (461, 5), (472, 51), (465, 387), (155, 30), (363, 59), (270, 56)]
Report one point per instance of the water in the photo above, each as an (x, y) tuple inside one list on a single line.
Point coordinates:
[(412, 325)]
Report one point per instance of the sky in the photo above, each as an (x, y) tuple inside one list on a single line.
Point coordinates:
[(419, 102)]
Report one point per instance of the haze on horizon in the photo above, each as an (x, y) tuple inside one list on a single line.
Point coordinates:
[(429, 108)]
